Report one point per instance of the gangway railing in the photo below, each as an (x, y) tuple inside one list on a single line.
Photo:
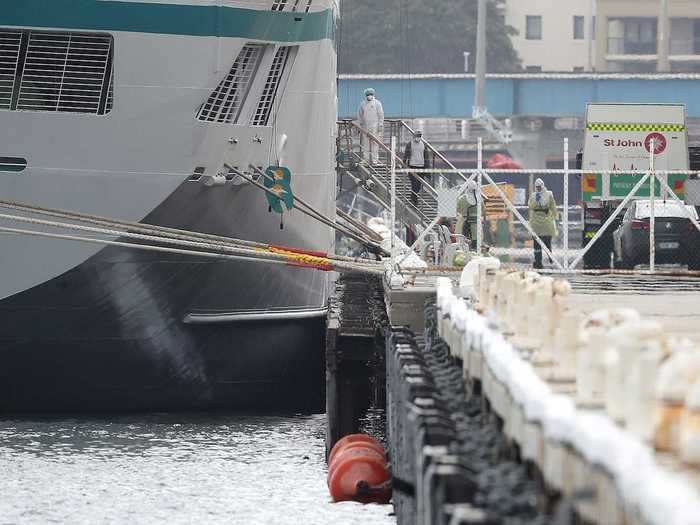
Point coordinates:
[(351, 156), (436, 154)]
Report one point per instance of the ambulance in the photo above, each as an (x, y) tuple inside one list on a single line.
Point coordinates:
[(618, 141)]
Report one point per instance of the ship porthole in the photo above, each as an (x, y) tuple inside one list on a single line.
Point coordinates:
[(13, 164)]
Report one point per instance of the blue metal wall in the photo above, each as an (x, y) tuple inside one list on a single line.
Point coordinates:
[(453, 97)]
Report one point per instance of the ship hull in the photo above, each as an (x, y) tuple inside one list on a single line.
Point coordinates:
[(142, 330), (185, 92)]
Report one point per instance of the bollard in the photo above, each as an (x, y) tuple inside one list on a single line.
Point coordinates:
[(676, 377), (530, 319), (640, 395), (512, 314), (499, 294), (486, 284), (511, 288), (541, 325), (470, 279), (590, 386), (567, 342), (625, 343), (493, 285), (690, 427), (525, 303)]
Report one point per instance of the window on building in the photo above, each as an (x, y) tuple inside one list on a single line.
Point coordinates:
[(593, 27), (579, 28), (578, 69), (685, 36), (533, 27), (533, 69), (632, 36), (632, 67)]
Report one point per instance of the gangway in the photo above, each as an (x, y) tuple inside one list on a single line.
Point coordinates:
[(420, 210)]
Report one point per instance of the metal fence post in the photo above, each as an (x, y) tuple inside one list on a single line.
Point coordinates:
[(479, 204), (565, 224), (652, 206), (393, 200)]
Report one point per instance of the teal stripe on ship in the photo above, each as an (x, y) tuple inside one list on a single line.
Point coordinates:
[(171, 19)]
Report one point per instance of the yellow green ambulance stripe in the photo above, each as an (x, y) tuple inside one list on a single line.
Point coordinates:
[(605, 126)]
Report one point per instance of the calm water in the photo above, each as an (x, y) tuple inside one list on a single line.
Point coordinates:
[(175, 469)]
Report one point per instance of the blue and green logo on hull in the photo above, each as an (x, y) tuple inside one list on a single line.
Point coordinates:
[(278, 182)]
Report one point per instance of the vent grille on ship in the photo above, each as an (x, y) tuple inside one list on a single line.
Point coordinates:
[(267, 98), (66, 72), (56, 71), (10, 44), (279, 5), (225, 103)]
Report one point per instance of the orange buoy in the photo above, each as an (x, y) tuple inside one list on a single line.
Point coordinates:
[(368, 448), (348, 440), (360, 475), (358, 471)]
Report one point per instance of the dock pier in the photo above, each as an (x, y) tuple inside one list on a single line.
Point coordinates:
[(483, 426), (354, 353)]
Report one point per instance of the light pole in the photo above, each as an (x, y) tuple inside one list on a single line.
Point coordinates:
[(590, 65), (480, 84), (664, 65)]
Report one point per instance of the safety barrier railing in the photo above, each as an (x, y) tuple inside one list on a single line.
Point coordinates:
[(599, 243)]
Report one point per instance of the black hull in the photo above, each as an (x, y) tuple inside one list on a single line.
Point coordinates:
[(112, 334)]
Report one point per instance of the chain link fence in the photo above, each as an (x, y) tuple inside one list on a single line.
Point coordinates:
[(571, 220)]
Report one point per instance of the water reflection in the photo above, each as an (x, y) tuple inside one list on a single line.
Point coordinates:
[(174, 468)]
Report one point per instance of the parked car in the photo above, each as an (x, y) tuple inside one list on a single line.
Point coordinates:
[(677, 239)]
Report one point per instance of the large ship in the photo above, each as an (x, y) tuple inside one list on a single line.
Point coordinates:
[(128, 110)]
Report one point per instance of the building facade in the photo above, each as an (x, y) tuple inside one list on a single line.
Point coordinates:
[(553, 36), (630, 36)]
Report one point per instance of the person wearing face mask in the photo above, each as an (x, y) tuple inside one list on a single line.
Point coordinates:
[(371, 118), (543, 217), (417, 157)]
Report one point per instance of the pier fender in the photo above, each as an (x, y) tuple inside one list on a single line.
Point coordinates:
[(358, 471), (348, 451), (348, 440)]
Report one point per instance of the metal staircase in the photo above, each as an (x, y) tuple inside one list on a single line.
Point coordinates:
[(376, 178)]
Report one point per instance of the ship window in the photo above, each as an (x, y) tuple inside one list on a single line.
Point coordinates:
[(279, 5), (225, 103), (296, 5), (13, 164), (64, 72), (308, 5), (10, 44), (262, 113)]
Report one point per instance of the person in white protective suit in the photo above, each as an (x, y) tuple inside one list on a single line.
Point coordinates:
[(543, 219), (371, 119), (467, 218)]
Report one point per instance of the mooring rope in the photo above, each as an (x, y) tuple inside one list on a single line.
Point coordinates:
[(118, 227)]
